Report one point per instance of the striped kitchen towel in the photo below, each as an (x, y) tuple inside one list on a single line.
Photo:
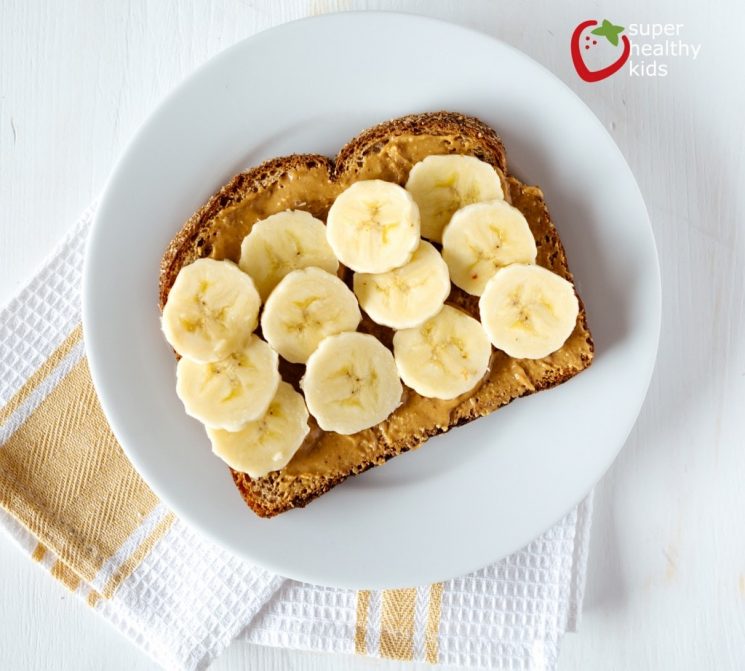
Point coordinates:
[(75, 504)]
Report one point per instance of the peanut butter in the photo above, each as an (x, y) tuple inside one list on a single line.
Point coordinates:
[(324, 454)]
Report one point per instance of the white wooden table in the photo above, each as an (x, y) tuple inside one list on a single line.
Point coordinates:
[(666, 586)]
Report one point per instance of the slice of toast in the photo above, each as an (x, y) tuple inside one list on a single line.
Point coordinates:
[(311, 182)]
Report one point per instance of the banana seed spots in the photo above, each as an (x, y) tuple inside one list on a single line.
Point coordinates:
[(346, 371), (448, 210), (523, 322), (276, 261), (436, 346), (229, 374), (427, 331), (355, 384), (192, 325), (385, 289), (307, 318), (305, 303), (498, 234), (276, 412), (208, 315), (232, 393), (373, 223), (460, 346), (480, 255), (548, 307), (385, 230), (521, 304), (267, 428), (243, 362), (471, 195), (530, 309), (350, 402), (487, 255), (401, 284), (454, 343), (272, 257), (447, 183), (296, 244), (268, 433), (453, 200), (233, 386)]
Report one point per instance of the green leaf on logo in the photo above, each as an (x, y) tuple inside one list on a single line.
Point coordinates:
[(609, 32)]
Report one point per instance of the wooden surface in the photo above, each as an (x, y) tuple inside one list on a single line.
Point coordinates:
[(666, 587)]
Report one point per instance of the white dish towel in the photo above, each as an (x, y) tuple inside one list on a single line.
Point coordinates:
[(183, 599)]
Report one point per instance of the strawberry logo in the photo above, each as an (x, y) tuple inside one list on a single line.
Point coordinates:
[(606, 30)]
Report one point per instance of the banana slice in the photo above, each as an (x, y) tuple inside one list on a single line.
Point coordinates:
[(211, 310), (268, 443), (406, 296), (228, 393), (373, 226), (282, 243), (528, 312), (482, 238), (443, 184), (444, 357), (351, 383), (304, 308)]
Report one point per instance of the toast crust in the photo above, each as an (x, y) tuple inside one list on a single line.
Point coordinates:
[(311, 182)]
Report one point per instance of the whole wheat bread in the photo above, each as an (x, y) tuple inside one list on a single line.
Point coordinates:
[(311, 182)]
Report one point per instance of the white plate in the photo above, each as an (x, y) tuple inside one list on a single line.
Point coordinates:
[(466, 498)]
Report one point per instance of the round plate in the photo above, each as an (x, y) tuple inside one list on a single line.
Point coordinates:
[(466, 498)]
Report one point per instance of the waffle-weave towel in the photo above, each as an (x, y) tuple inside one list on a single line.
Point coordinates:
[(74, 503)]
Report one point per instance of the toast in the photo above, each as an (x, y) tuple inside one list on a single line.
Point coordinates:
[(311, 183)]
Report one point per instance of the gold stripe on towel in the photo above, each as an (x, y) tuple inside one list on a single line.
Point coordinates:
[(39, 552), (397, 624), (131, 563), (65, 575), (431, 639), (64, 476), (41, 374), (360, 628)]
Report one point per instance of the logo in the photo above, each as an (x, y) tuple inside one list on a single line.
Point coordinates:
[(583, 43), (598, 51)]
